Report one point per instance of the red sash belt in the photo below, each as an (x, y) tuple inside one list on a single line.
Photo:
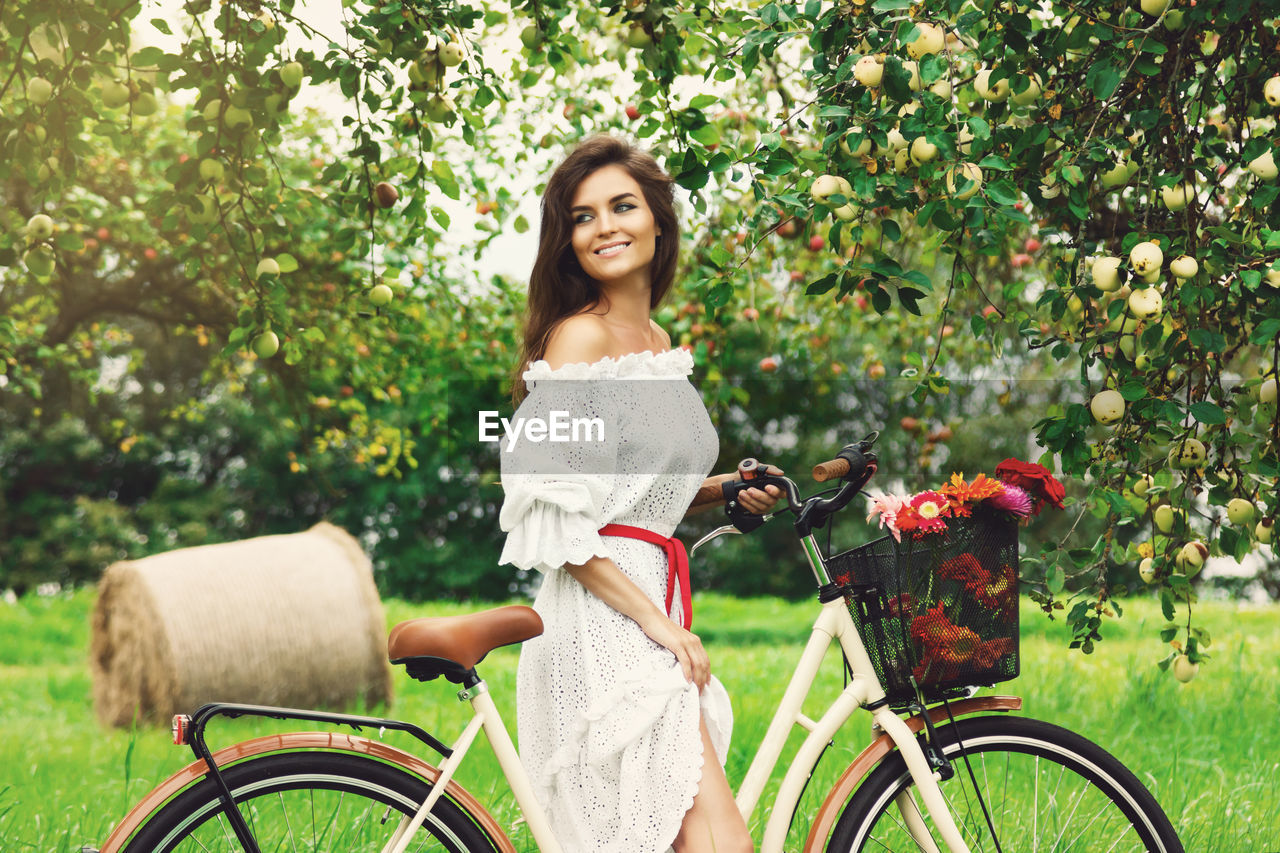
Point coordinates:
[(677, 563)]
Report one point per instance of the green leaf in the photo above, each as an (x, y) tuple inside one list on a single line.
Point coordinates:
[(1054, 579), (287, 262), (162, 25), (521, 224), (439, 215), (890, 5), (823, 284), (1208, 413), (703, 101), (1166, 604), (1003, 192), (1102, 79)]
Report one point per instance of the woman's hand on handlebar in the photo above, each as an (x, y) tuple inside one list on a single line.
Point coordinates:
[(761, 501)]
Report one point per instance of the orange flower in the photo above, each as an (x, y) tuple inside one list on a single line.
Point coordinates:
[(963, 495)]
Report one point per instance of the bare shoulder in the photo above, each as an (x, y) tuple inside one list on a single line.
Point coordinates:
[(580, 338), (661, 333)]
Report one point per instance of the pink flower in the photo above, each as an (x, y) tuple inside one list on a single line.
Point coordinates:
[(1012, 499), (888, 507), (930, 509)]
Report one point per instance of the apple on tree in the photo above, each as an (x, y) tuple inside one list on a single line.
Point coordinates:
[(1240, 511), (268, 266), (989, 92), (39, 227), (1145, 258), (266, 344), (869, 70), (1264, 166), (39, 91), (1107, 406), (930, 39), (964, 181), (1183, 668), (1271, 91), (1028, 95), (381, 295), (1184, 267)]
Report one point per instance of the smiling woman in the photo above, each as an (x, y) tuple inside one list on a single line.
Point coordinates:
[(622, 727)]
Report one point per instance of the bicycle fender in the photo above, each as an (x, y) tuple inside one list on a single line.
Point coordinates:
[(296, 742), (878, 749)]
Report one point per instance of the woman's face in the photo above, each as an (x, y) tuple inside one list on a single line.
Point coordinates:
[(613, 229)]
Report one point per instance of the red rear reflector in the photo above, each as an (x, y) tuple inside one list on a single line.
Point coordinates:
[(180, 724)]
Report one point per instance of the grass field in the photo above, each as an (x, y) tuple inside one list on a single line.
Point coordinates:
[(1209, 750)]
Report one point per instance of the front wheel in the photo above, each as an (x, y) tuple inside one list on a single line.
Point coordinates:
[(1045, 789), (309, 801)]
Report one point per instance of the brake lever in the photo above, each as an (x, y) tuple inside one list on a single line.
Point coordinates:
[(719, 531)]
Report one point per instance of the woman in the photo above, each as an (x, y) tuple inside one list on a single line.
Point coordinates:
[(622, 727)]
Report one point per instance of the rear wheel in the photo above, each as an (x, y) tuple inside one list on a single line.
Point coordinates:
[(1045, 789), (309, 801)]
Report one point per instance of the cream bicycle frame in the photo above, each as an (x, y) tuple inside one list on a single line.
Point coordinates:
[(833, 624)]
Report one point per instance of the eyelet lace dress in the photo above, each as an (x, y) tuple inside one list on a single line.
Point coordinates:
[(607, 723)]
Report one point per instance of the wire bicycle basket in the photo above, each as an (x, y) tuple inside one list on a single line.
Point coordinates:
[(940, 611)]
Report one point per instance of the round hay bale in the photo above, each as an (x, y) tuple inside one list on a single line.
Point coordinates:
[(291, 620)]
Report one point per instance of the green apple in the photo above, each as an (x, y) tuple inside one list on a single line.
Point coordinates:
[(1271, 91), (451, 54), (1118, 174), (1188, 453), (869, 70), (211, 171), (637, 37), (39, 260), (39, 91), (1107, 406), (930, 39), (1028, 95), (1165, 518), (1146, 303), (1267, 392), (1154, 8), (291, 74), (531, 36), (922, 151), (238, 118), (1264, 166), (825, 186), (1191, 557), (212, 110), (266, 344), (1177, 196), (205, 211), (268, 266), (1184, 267), (1106, 274), (439, 108), (145, 104), (1240, 511), (988, 92), (901, 161), (1273, 278), (1143, 484), (913, 75), (957, 176), (1173, 20), (1264, 530), (942, 89), (1145, 257), (39, 227), (381, 295), (1147, 570), (115, 94), (1183, 669), (863, 149)]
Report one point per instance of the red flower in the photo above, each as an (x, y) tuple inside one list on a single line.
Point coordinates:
[(964, 568), (1036, 480), (989, 653), (902, 605)]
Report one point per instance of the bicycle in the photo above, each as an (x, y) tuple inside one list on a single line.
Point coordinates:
[(958, 776)]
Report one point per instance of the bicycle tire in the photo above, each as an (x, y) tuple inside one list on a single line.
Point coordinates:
[(309, 801), (1046, 788)]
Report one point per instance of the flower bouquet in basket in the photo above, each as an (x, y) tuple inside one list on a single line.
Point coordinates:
[(936, 600)]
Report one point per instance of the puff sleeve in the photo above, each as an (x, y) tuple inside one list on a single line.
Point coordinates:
[(555, 490)]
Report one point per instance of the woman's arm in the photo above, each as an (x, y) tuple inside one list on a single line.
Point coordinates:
[(602, 578)]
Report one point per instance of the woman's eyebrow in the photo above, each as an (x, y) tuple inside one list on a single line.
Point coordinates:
[(616, 198)]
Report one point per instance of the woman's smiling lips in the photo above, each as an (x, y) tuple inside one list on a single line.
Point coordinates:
[(608, 250)]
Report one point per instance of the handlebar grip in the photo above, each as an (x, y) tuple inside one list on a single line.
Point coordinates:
[(831, 470)]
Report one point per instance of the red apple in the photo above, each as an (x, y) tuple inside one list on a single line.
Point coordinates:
[(988, 311), (909, 423), (346, 391), (861, 302), (750, 314), (816, 242), (796, 276), (633, 112), (768, 364), (1021, 259), (104, 234), (150, 253), (1032, 244)]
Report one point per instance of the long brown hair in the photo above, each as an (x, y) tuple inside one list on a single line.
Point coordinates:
[(558, 286)]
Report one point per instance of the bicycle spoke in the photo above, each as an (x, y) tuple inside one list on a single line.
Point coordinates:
[(288, 825)]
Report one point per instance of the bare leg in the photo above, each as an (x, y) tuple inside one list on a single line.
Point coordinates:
[(713, 824)]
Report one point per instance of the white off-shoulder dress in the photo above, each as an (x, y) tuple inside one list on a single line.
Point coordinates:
[(607, 723)]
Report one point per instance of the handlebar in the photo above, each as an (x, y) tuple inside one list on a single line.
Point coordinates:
[(855, 464)]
